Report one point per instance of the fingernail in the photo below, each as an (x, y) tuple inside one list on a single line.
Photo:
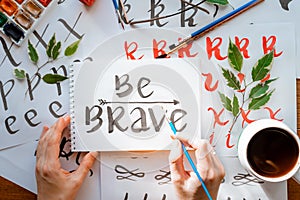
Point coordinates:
[(95, 154), (175, 151), (204, 148)]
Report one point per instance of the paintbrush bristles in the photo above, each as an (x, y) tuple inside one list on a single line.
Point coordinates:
[(162, 56)]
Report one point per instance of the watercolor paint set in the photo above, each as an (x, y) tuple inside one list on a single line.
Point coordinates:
[(19, 17)]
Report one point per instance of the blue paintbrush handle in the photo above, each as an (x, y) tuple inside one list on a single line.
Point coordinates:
[(187, 155), (115, 4), (225, 17)]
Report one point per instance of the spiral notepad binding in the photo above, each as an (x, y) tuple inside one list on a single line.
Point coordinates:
[(72, 85)]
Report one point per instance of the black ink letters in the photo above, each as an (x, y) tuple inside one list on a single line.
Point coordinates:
[(95, 115)]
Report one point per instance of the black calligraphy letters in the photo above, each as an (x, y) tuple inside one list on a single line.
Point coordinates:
[(65, 73), (153, 14), (188, 13), (126, 174), (29, 116), (94, 115), (54, 107), (190, 20), (163, 178), (9, 122), (71, 29), (164, 197), (5, 89), (40, 37), (31, 85), (8, 54), (245, 179)]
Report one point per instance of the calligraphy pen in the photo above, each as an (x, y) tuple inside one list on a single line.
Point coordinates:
[(187, 155), (199, 33)]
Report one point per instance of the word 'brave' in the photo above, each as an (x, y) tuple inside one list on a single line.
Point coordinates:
[(94, 119)]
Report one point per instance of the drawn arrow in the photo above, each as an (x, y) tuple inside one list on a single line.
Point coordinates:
[(103, 102)]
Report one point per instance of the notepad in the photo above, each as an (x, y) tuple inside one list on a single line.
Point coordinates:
[(117, 106)]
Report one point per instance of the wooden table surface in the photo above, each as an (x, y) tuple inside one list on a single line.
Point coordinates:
[(11, 191)]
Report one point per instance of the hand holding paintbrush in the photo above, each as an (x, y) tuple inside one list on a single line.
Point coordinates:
[(209, 167)]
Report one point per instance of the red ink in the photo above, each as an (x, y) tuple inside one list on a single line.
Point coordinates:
[(269, 47), (266, 78), (129, 53), (88, 2), (243, 48), (228, 136), (211, 137), (245, 117), (186, 50), (208, 82), (273, 114), (217, 119), (211, 48), (241, 78), (157, 51)]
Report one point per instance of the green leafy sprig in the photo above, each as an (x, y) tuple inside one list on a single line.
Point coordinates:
[(53, 51), (252, 95)]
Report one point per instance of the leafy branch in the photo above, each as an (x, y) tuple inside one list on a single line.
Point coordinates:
[(53, 51), (246, 96)]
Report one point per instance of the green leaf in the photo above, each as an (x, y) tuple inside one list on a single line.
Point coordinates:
[(258, 90), (56, 50), (256, 103), (231, 79), (220, 2), (53, 78), (235, 57), (71, 49), (225, 101), (33, 55), (50, 46), (262, 67), (235, 106), (270, 81), (19, 73)]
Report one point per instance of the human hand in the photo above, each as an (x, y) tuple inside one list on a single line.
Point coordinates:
[(210, 168), (53, 182)]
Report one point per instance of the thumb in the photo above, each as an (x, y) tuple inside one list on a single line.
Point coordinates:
[(85, 166)]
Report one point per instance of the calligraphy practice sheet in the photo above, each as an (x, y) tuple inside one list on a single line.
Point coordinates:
[(132, 170), (26, 105)]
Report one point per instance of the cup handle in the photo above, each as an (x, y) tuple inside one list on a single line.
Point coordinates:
[(296, 176)]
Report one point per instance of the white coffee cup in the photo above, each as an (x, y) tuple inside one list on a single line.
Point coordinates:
[(270, 150)]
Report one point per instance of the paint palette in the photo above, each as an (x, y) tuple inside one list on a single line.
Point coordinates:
[(19, 17)]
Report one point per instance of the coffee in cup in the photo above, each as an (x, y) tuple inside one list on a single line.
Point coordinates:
[(269, 150)]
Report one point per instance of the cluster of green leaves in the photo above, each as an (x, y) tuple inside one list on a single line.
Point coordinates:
[(53, 50), (257, 92), (220, 2)]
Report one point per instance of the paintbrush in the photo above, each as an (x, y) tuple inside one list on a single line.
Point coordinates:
[(187, 155), (118, 13), (199, 33)]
